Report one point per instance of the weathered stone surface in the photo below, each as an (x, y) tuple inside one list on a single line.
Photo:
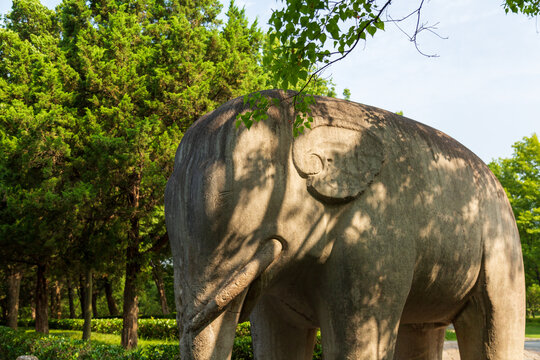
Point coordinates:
[(374, 228), (27, 357)]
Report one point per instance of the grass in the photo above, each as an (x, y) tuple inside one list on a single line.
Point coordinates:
[(532, 328), (108, 339)]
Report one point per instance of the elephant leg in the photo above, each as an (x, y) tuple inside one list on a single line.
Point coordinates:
[(361, 321), (420, 342), (491, 325), (274, 338), (364, 336)]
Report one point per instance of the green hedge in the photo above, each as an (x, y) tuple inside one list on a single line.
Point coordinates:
[(148, 328), (163, 329), (16, 343)]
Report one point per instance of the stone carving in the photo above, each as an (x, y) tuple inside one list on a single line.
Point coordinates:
[(374, 228)]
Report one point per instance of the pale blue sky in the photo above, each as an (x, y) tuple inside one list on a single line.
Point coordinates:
[(483, 89)]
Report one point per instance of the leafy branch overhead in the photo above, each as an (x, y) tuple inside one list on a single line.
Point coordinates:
[(308, 36), (300, 37), (528, 7), (260, 104)]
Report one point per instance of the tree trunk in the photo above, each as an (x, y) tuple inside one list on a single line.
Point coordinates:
[(131, 306), (133, 266), (14, 287), (158, 279), (113, 311), (56, 299), (72, 314), (94, 300), (87, 306), (42, 315), (81, 293), (52, 299)]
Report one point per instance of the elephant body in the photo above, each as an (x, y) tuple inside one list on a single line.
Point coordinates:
[(374, 228)]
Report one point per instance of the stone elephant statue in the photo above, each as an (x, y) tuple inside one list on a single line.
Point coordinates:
[(377, 229)]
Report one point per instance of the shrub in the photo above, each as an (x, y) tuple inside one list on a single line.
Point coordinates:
[(16, 343), (243, 329), (107, 326), (164, 329), (242, 349), (158, 329), (161, 352), (148, 328)]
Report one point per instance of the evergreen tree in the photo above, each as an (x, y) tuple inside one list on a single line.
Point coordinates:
[(35, 135), (94, 99)]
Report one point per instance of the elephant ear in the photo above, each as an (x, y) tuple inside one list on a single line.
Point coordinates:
[(337, 163)]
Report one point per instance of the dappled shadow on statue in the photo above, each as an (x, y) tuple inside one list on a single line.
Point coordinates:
[(374, 228)]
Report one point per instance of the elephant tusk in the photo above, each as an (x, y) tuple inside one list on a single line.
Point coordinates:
[(238, 284)]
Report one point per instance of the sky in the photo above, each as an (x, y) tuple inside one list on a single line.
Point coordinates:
[(483, 88)]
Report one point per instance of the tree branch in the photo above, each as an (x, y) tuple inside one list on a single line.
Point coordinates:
[(358, 38)]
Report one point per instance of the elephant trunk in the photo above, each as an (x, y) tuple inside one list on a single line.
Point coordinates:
[(214, 341), (209, 334)]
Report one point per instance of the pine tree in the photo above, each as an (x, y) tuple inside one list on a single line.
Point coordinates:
[(35, 135)]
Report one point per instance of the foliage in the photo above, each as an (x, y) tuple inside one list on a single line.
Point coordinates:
[(148, 328), (520, 177), (527, 7), (347, 94), (304, 29), (95, 97), (242, 349), (36, 137), (260, 104), (16, 343), (107, 339)]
